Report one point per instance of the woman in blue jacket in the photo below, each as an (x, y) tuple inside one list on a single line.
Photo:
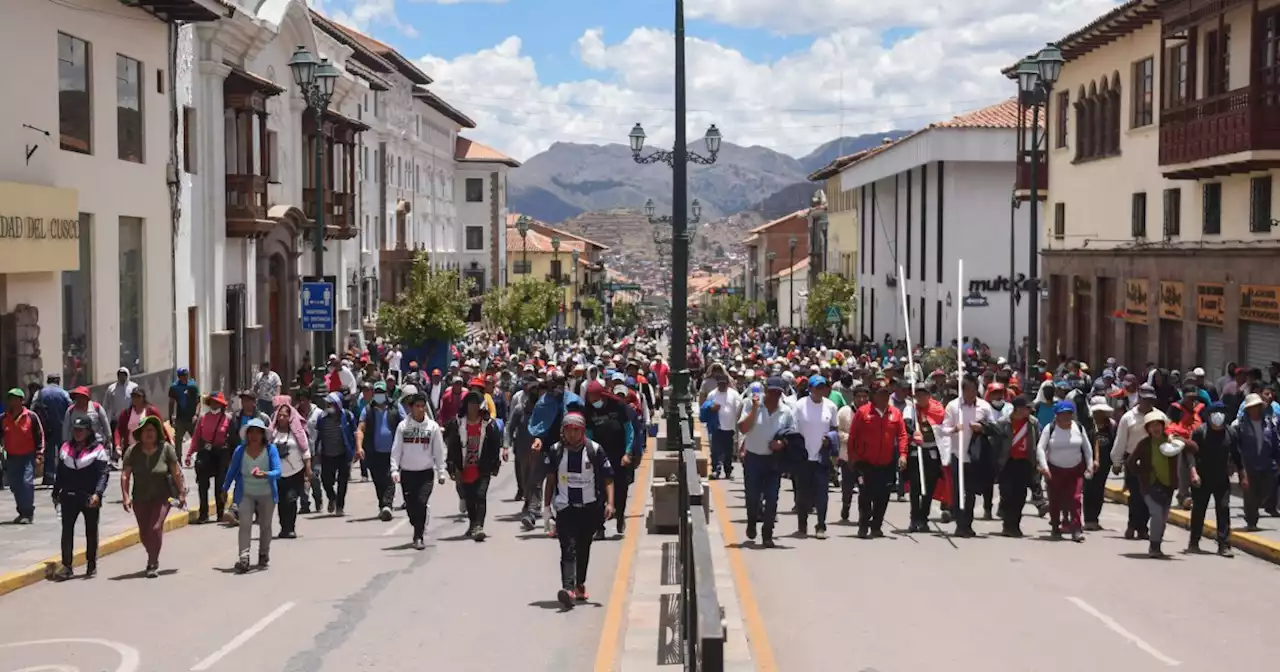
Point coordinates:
[(255, 469)]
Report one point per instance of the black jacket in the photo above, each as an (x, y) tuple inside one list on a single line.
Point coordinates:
[(81, 476), (455, 441)]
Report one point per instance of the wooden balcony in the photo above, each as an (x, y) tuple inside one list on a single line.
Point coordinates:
[(247, 206), (1232, 124), (1022, 179), (339, 213)]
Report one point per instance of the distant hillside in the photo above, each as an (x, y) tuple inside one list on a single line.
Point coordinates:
[(839, 147)]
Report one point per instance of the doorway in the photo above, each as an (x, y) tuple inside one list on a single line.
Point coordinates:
[(276, 340)]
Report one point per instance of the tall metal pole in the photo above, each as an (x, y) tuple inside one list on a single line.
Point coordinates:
[(680, 392), (1033, 301), (791, 288), (321, 338), (1013, 228)]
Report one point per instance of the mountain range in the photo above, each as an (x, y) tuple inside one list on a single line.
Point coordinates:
[(569, 179)]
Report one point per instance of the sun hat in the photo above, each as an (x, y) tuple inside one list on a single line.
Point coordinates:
[(1253, 400), (1099, 405), (149, 421), (1155, 416)]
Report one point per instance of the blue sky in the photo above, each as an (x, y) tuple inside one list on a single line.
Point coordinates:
[(784, 74)]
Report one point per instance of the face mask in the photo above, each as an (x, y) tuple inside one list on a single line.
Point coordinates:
[(1216, 419), (329, 410), (598, 403), (379, 398)]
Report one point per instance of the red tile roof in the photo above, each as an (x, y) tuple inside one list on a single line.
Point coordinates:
[(473, 152), (800, 266), (785, 218), (552, 231), (402, 64), (539, 243)]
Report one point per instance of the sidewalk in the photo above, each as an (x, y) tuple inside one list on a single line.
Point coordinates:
[(30, 553), (1263, 543)]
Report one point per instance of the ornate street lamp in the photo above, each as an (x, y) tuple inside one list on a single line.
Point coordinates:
[(577, 290), (315, 81), (792, 242), (522, 226), (711, 140), (1036, 78)]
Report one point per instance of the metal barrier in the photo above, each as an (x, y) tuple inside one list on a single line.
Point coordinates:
[(702, 626)]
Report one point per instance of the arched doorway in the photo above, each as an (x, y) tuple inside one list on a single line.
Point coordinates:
[(277, 261), (277, 280)]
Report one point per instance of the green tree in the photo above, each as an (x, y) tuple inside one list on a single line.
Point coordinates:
[(830, 290), (433, 307), (590, 310), (625, 314), (523, 305)]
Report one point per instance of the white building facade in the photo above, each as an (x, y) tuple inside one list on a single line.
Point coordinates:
[(928, 201), (86, 208)]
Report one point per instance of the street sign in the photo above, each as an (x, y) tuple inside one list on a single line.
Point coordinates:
[(622, 287), (752, 311), (976, 300), (833, 315), (317, 306)]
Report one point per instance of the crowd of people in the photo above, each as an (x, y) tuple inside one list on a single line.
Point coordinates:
[(960, 425), (570, 416)]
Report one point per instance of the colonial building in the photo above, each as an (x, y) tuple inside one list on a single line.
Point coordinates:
[(791, 293), (772, 247), (926, 201), (841, 246), (87, 207), (1164, 141)]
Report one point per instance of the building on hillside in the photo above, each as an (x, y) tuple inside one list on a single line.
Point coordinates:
[(1162, 240), (926, 201), (771, 247), (251, 194), (842, 223), (791, 291), (586, 281), (86, 206)]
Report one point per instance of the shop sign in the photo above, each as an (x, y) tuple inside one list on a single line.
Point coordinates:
[(1135, 301), (39, 229), (1171, 300), (1211, 308), (1260, 303)]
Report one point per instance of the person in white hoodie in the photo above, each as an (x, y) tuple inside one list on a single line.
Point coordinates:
[(418, 458)]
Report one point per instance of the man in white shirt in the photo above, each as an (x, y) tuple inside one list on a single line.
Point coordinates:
[(815, 418), (961, 428), (394, 358), (1130, 431), (726, 403), (763, 418)]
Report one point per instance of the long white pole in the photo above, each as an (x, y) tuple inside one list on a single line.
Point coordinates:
[(963, 447), (911, 376)]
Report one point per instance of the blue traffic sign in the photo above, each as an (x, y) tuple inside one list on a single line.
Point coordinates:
[(833, 315), (317, 306)]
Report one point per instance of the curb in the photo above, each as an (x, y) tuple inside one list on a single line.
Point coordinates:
[(44, 569), (1252, 544)]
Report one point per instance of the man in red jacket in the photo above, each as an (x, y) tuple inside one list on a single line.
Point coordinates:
[(877, 446)]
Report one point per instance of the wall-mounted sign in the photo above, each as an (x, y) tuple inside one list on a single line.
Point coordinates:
[(1135, 301), (1170, 300), (1083, 285), (1211, 304), (1260, 303), (39, 229), (1001, 283)]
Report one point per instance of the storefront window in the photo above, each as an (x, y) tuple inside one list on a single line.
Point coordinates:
[(77, 313), (131, 279)]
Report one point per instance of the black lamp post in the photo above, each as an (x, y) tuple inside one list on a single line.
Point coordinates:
[(577, 299), (792, 242), (315, 81), (555, 268), (771, 284), (661, 221), (522, 226), (678, 158), (1036, 77)]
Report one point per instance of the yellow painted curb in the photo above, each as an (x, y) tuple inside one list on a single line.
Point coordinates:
[(114, 544), (1249, 543), (611, 635)]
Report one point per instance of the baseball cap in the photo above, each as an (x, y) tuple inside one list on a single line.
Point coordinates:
[(776, 383), (1146, 391), (1064, 407), (817, 381)]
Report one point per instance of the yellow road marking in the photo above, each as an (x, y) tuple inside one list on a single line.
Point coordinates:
[(611, 635), (757, 634)]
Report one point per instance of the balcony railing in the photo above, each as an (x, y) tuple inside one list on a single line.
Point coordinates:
[(339, 215), (246, 197), (1246, 119), (1022, 179)]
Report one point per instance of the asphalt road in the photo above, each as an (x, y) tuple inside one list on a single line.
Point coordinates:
[(347, 595), (930, 602)]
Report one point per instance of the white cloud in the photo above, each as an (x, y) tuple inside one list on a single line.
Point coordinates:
[(846, 82), (365, 15)]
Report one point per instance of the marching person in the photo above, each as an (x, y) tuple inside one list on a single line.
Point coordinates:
[(289, 437), (23, 438), (254, 471), (611, 424), (815, 421), (1102, 435), (1012, 439), (211, 447), (335, 434), (878, 451), (763, 420), (1154, 464), (1129, 433), (375, 436), (922, 422), (474, 455), (1216, 457), (579, 488), (1258, 440), (84, 467), (963, 419), (417, 459), (1065, 458), (149, 467), (520, 440)]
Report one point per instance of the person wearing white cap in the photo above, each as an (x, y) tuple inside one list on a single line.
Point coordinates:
[(1259, 445), (1102, 433), (1155, 464)]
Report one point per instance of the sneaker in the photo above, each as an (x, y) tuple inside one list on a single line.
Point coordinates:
[(566, 598), (1193, 548), (471, 532), (306, 508), (1093, 527), (1154, 552), (419, 544), (18, 520), (966, 533), (902, 497), (1013, 532), (479, 534), (1225, 551), (600, 534), (242, 567), (333, 506), (153, 571), (946, 517), (1077, 536), (820, 533), (580, 595), (864, 533), (289, 535), (1130, 533), (384, 514), (768, 541), (263, 561), (64, 572), (622, 526), (23, 520), (527, 524), (339, 513), (203, 519), (877, 533), (90, 571), (751, 531)]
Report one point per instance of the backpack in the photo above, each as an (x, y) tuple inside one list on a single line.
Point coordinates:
[(1077, 425)]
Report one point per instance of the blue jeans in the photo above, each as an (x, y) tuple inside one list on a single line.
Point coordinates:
[(20, 471), (722, 451), (762, 480)]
